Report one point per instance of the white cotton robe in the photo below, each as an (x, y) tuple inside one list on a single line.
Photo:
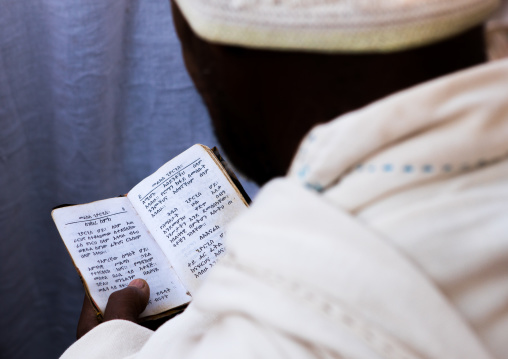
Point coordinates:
[(388, 239)]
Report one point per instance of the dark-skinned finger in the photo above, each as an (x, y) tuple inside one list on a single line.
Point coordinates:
[(129, 302), (88, 319)]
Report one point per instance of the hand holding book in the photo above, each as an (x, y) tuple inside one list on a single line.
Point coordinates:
[(168, 230), (125, 304)]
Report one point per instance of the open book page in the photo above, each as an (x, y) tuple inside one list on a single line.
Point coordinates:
[(186, 205), (110, 246)]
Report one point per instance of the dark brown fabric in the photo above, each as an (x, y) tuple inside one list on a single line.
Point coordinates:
[(262, 103)]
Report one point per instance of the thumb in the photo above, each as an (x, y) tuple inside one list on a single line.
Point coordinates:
[(129, 302)]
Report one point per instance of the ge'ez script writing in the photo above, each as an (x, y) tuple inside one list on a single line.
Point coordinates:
[(188, 207), (168, 230)]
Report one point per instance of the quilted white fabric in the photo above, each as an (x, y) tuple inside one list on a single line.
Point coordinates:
[(333, 25)]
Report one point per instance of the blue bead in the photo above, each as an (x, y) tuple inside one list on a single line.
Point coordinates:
[(447, 168), (427, 168)]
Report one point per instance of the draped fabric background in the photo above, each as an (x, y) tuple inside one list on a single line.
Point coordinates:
[(93, 98)]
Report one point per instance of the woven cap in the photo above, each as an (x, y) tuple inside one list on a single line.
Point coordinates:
[(333, 25)]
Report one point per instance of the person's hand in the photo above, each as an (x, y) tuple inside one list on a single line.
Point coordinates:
[(126, 304)]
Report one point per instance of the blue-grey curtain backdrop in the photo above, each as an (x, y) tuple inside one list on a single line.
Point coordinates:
[(93, 98)]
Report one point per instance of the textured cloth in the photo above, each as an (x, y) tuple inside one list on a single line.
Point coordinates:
[(497, 33), (387, 240), (333, 25), (94, 97)]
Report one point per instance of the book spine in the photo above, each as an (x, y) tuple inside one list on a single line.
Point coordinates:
[(231, 174)]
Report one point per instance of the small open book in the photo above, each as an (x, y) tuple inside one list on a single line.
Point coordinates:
[(168, 230)]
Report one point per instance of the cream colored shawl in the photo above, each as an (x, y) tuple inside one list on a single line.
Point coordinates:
[(388, 239)]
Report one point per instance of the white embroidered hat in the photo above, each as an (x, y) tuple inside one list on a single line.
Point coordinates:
[(333, 25)]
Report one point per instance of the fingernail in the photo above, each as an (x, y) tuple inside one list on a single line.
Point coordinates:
[(138, 283)]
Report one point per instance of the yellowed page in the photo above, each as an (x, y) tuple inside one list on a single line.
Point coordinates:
[(111, 246), (187, 205)]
